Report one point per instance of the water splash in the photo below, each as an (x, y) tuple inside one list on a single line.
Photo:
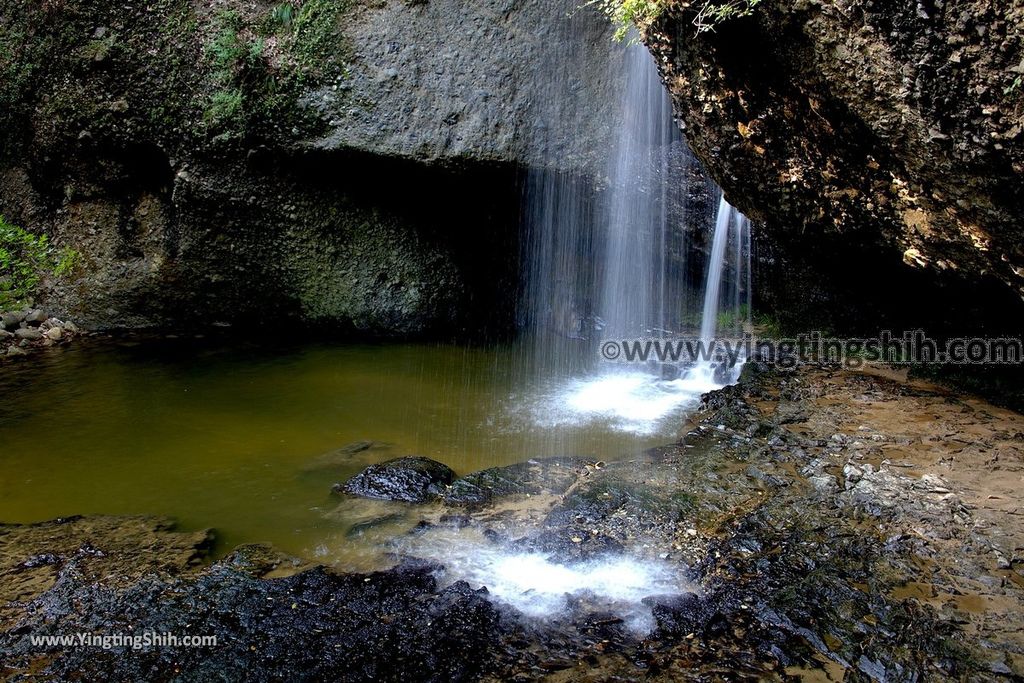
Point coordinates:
[(540, 587), (630, 402)]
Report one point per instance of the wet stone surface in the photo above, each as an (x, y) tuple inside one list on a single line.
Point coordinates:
[(412, 479)]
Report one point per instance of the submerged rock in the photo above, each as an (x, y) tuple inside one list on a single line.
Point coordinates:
[(344, 455), (550, 475), (413, 479)]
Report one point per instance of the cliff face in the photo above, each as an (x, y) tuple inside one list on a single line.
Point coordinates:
[(346, 162), (870, 138)]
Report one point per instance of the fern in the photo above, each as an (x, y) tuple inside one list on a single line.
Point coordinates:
[(24, 259)]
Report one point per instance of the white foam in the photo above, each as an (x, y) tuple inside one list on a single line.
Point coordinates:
[(539, 587), (637, 403)]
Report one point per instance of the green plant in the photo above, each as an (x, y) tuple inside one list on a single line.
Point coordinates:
[(66, 262), (626, 14), (1015, 86), (316, 36), (714, 12), (732, 319), (238, 68), (225, 106), (255, 91), (283, 15), (24, 259), (768, 326)]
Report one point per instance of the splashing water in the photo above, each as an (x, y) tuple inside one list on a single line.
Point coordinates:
[(631, 402), (539, 587)]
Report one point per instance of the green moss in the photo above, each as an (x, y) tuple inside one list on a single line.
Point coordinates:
[(255, 93)]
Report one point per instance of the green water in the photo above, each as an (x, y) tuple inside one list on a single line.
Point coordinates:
[(233, 437)]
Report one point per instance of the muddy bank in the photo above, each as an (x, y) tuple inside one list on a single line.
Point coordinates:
[(819, 523)]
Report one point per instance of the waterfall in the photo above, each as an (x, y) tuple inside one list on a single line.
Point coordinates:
[(606, 258), (605, 253), (716, 266), (733, 227), (635, 296)]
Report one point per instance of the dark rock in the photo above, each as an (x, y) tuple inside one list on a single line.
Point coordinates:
[(28, 333), (315, 625), (36, 317), (412, 479), (552, 475), (13, 319), (677, 615)]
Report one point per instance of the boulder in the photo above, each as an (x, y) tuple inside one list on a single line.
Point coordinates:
[(28, 333), (12, 320), (412, 479)]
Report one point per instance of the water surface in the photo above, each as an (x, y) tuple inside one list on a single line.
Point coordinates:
[(234, 436)]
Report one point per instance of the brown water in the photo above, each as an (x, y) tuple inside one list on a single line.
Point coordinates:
[(234, 437)]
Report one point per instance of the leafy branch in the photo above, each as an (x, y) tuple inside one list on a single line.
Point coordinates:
[(625, 14), (713, 12)]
